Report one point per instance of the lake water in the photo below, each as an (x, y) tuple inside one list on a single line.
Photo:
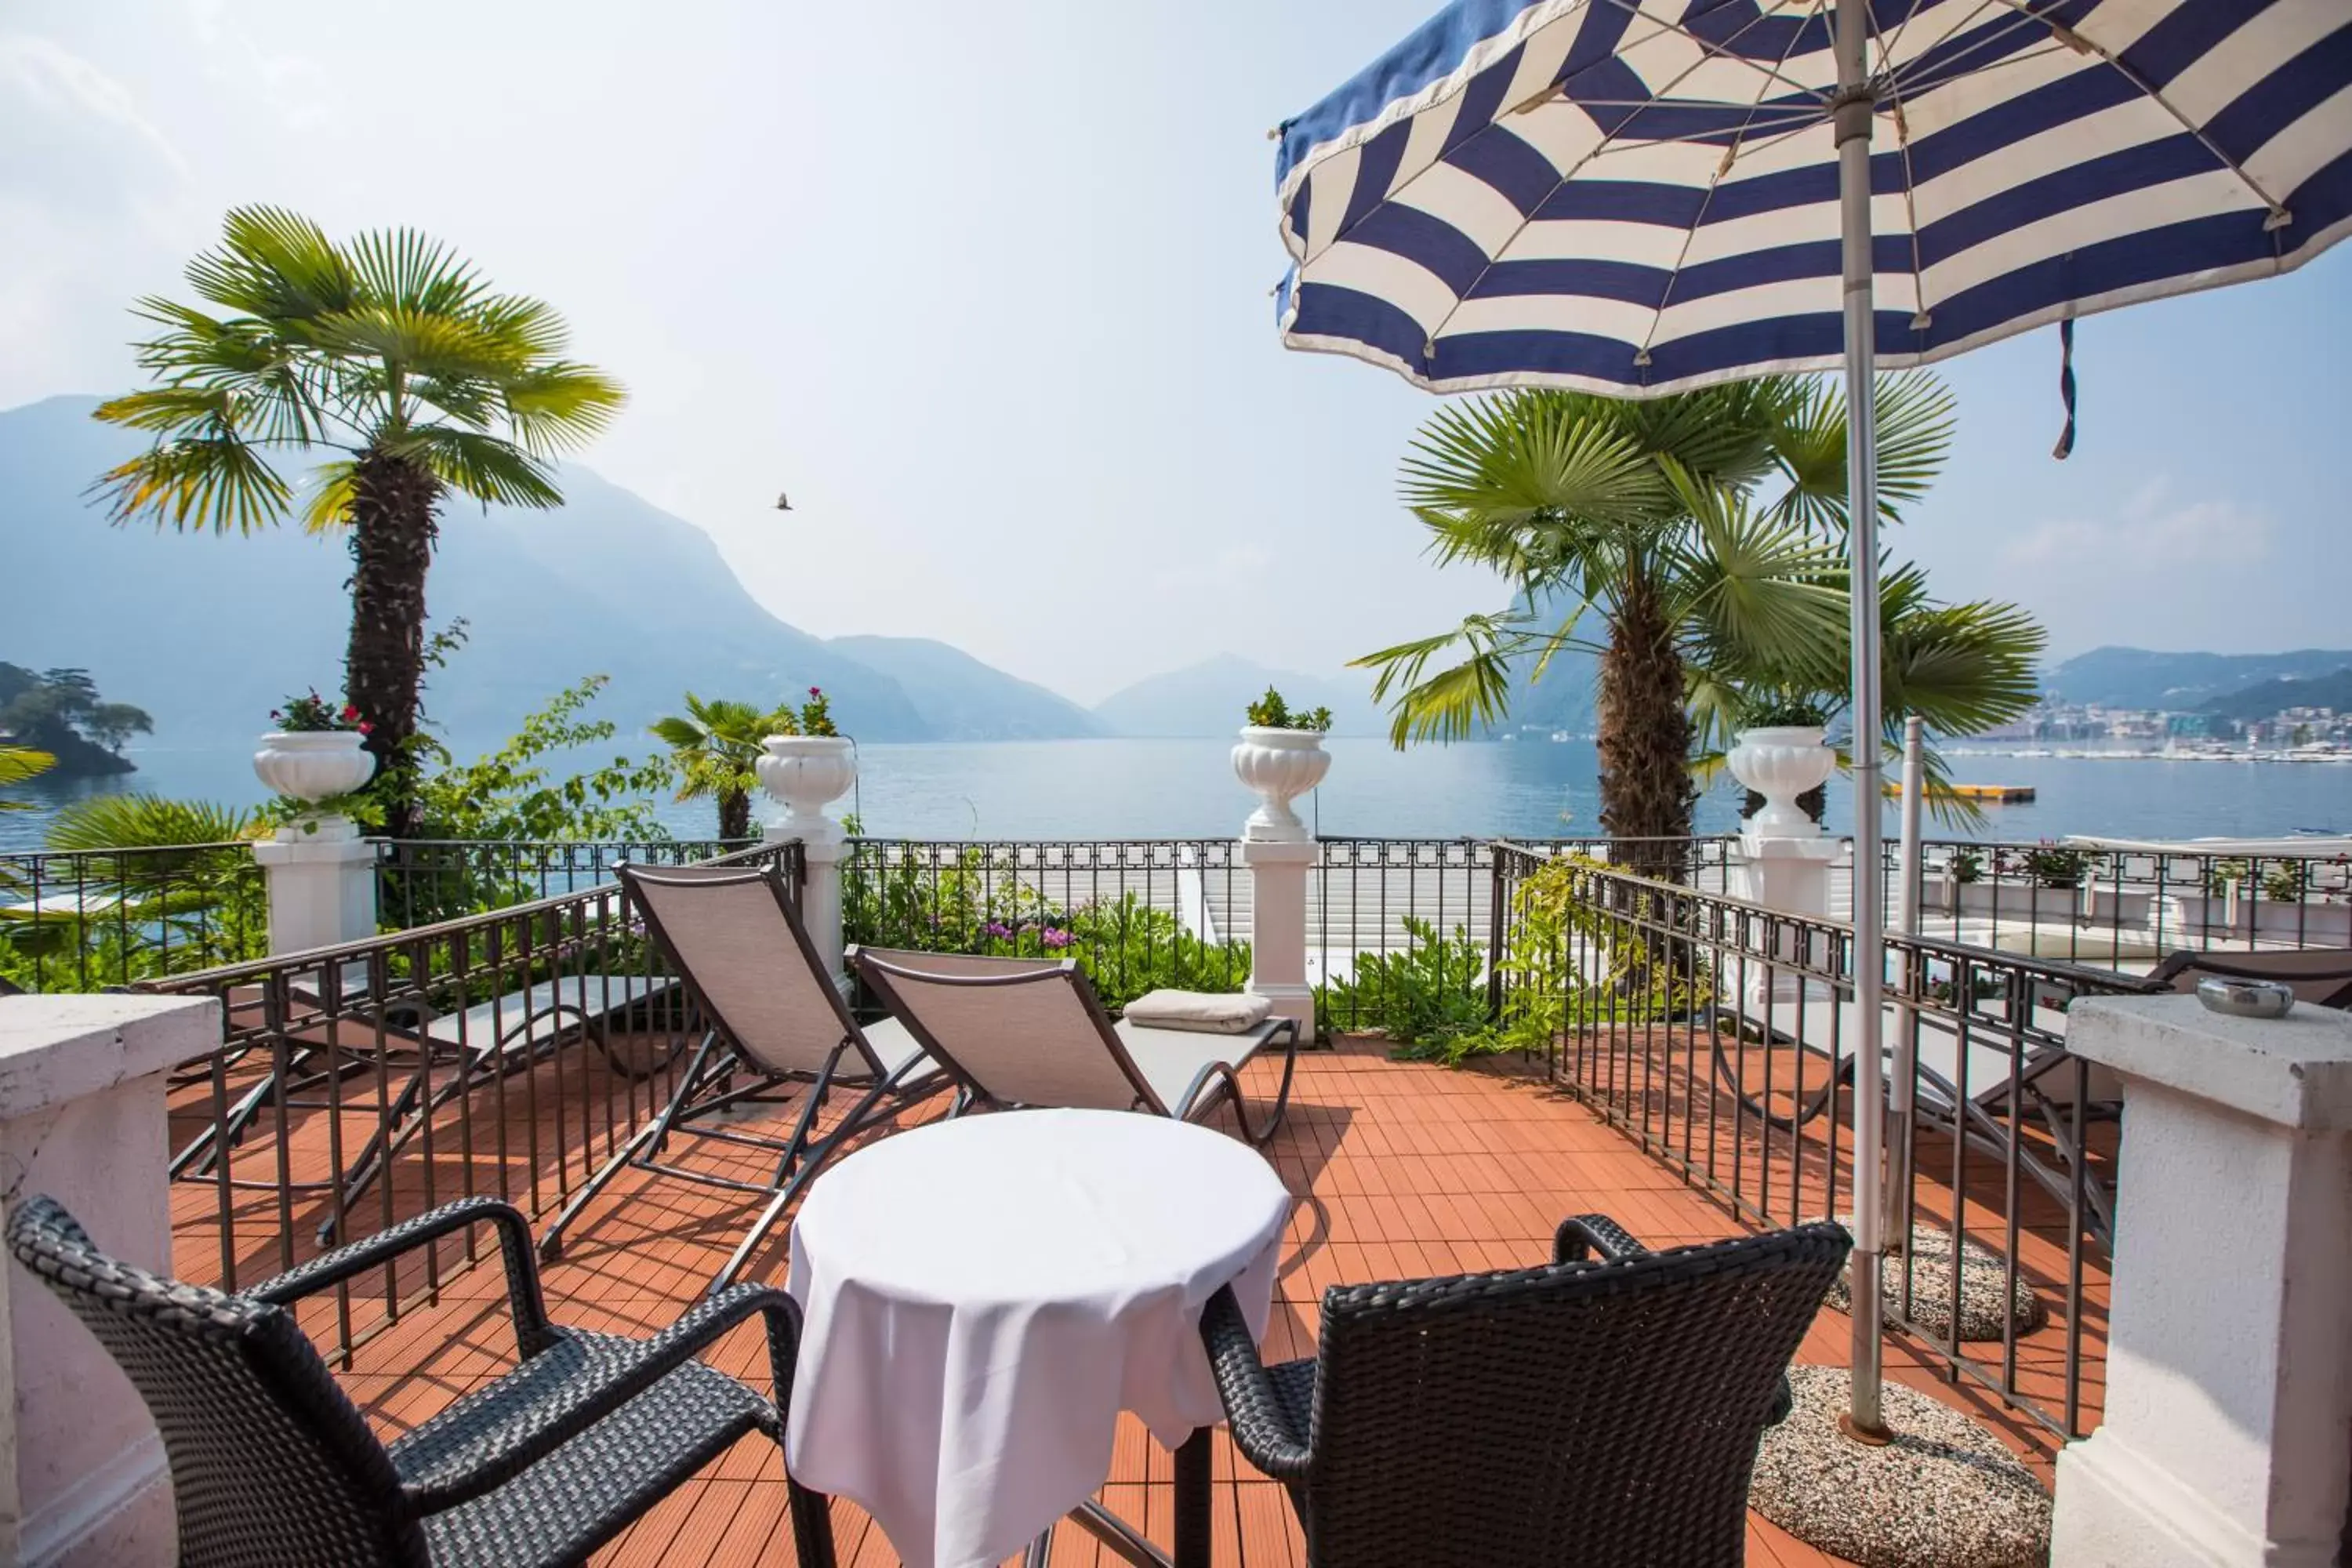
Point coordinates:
[(1182, 789)]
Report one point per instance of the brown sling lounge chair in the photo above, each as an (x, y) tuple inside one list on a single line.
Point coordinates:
[(2319, 977), (776, 1026), (1032, 1032)]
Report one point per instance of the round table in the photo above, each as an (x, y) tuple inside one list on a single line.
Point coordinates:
[(983, 1295)]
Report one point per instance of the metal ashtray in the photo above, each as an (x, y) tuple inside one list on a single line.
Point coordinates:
[(2245, 998)]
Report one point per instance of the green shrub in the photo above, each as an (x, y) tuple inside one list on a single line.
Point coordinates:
[(1429, 998)]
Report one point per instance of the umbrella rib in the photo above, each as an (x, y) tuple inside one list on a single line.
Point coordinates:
[(2279, 216), (1430, 343), (1556, 89), (1690, 234), (1720, 51), (1920, 314), (2023, 20)]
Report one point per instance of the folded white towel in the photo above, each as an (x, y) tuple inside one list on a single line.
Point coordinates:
[(1230, 1012)]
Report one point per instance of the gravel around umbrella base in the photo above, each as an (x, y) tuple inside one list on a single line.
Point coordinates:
[(1990, 1303), (1943, 1494)]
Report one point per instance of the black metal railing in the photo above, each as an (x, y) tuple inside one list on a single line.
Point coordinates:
[(1408, 935), (1136, 914), (2118, 907), (85, 920), (509, 1054), (419, 881), (1719, 1037), (1390, 922)]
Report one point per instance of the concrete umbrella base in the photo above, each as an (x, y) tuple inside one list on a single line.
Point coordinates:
[(1990, 1304), (1944, 1493)]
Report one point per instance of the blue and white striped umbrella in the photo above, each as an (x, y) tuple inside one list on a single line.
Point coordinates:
[(1641, 196)]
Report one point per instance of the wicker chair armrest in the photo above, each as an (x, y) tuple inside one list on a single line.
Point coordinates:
[(1582, 1235), (1260, 1430), (532, 1332), (578, 1402)]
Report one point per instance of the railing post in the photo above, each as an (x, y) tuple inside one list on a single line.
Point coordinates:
[(1279, 869), (82, 1475), (322, 877), (2228, 1431), (1497, 902)]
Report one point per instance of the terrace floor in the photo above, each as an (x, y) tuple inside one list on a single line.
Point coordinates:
[(1401, 1170)]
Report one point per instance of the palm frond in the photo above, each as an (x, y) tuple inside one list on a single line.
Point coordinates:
[(420, 343), (560, 405), (1724, 435), (1915, 420), (1754, 595), (333, 492), (1514, 457), (139, 819), (1450, 704), (480, 466), (1964, 669), (404, 272), (219, 482), (18, 763), (273, 264)]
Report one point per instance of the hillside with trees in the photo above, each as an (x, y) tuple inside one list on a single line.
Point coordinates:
[(60, 711)]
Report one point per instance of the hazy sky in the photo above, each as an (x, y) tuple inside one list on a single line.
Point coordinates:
[(985, 289)]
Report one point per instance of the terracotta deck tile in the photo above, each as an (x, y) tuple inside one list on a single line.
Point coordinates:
[(1401, 1170)]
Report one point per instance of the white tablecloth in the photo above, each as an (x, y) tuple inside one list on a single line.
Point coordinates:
[(983, 1297)]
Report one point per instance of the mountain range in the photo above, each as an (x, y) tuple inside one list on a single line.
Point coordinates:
[(2266, 699), (210, 634), (2141, 678)]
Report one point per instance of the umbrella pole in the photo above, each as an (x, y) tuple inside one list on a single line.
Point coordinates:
[(1853, 114)]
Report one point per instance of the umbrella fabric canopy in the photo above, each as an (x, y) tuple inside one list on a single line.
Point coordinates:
[(1642, 197)]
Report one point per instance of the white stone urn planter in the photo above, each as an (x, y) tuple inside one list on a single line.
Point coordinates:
[(313, 765), (807, 773), (1278, 766), (1781, 762)]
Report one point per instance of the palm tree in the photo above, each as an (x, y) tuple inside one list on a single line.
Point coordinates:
[(389, 358), (1643, 515), (1961, 668), (716, 743)]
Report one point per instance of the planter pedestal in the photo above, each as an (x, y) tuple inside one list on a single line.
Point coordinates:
[(1278, 926), (809, 773), (1791, 875), (321, 886), (2228, 1431), (821, 857)]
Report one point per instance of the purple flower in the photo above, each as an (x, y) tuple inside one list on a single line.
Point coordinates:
[(1000, 930), (1054, 936)]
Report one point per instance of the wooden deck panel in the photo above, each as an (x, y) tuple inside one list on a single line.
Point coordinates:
[(1401, 1169)]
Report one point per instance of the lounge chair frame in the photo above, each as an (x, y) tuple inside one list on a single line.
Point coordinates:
[(1214, 1082), (723, 1076)]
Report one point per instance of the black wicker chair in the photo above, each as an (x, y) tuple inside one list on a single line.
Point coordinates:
[(1590, 1412), (272, 1465)]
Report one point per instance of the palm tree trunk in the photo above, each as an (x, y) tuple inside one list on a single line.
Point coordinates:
[(1645, 740), (392, 530), (734, 813)]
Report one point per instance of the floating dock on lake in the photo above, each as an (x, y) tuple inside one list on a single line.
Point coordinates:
[(1988, 795)]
